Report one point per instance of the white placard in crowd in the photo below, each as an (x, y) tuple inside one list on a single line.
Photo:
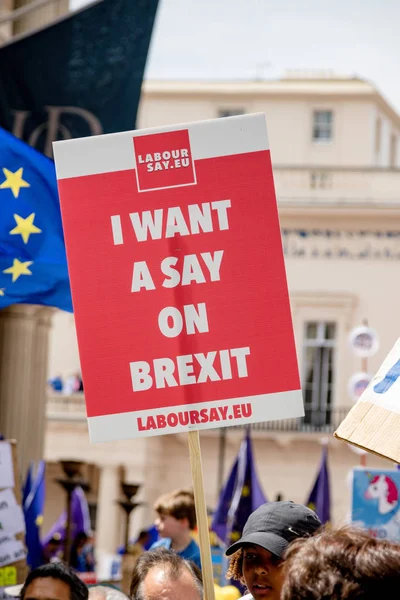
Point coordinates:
[(6, 466)]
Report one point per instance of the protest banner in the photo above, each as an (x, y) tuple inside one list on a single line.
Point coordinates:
[(178, 283), (13, 567), (375, 502), (374, 421)]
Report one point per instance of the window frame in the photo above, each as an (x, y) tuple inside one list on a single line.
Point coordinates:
[(322, 140), (320, 410)]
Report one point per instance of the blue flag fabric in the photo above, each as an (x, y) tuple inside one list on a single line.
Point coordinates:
[(220, 518), (79, 515), (26, 490), (33, 511), (153, 537), (320, 497), (33, 264), (240, 497)]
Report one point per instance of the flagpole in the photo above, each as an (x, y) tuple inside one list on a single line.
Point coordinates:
[(221, 459)]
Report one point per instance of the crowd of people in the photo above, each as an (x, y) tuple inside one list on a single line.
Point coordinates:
[(283, 554), (70, 385)]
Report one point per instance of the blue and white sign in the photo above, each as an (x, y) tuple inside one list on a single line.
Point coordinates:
[(375, 502)]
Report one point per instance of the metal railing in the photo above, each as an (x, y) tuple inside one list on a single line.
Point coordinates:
[(315, 422), (61, 407), (72, 408)]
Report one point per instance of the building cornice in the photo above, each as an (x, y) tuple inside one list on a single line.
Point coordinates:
[(322, 90)]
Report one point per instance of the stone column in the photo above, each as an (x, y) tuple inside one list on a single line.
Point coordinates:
[(108, 521), (23, 371), (39, 17), (40, 360)]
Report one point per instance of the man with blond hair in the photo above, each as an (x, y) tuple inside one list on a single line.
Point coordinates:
[(175, 521)]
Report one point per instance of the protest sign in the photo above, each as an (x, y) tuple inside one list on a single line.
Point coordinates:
[(375, 502), (13, 568), (374, 421), (6, 466), (178, 283), (178, 278)]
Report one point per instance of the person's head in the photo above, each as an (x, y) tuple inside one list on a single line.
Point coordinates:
[(54, 581), (162, 573), (81, 539), (257, 557), (343, 564), (54, 544), (105, 592), (176, 513)]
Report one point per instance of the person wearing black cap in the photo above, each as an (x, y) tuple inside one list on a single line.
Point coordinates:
[(257, 557)]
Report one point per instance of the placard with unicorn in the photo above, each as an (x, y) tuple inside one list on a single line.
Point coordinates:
[(376, 502)]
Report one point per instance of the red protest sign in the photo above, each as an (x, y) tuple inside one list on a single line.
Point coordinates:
[(178, 278)]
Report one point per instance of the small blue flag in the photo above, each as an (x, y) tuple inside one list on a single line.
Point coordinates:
[(26, 490), (320, 497), (153, 537), (33, 265), (240, 497), (220, 518), (80, 519), (33, 512)]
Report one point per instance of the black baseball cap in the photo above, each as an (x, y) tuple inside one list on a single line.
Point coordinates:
[(274, 525)]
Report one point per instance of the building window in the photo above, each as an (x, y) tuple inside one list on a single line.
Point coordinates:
[(319, 359), (323, 126), (230, 112), (320, 180)]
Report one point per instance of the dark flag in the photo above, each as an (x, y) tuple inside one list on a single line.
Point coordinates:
[(320, 497), (33, 512), (80, 519), (33, 264), (220, 518), (81, 76), (240, 497), (27, 487)]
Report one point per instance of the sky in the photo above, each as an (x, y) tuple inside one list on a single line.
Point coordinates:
[(250, 39)]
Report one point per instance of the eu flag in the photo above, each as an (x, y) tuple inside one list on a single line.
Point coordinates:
[(27, 487), (240, 497), (33, 512), (247, 495), (220, 518), (33, 265), (320, 498), (80, 519)]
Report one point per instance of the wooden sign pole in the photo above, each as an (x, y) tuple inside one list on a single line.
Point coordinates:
[(201, 514)]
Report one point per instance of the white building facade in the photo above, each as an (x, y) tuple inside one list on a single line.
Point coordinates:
[(336, 159)]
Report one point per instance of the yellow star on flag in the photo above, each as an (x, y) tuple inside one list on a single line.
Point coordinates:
[(39, 520), (19, 268), (14, 181), (2, 290), (25, 227), (245, 491)]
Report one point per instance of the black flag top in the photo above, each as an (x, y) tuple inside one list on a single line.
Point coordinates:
[(81, 76)]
